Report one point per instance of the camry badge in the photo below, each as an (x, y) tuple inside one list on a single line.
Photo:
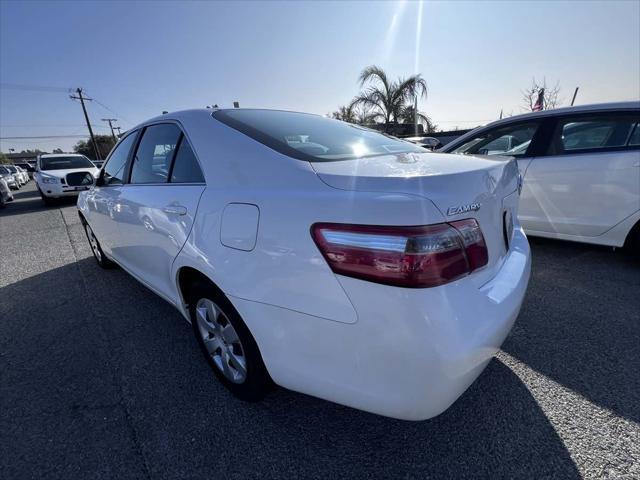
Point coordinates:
[(472, 207)]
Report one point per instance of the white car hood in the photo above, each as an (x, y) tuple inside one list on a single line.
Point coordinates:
[(63, 173)]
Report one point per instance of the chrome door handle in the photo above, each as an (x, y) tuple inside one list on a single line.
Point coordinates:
[(175, 209)]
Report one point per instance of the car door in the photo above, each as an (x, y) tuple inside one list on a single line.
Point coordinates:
[(588, 178), (160, 200), (520, 139), (102, 199)]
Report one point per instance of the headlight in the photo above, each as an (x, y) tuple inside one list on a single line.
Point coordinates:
[(50, 179)]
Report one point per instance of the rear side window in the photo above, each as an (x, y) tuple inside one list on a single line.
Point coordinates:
[(592, 133), (185, 166), (152, 160), (114, 170), (512, 140)]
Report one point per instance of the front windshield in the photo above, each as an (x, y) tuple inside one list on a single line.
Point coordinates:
[(63, 163), (11, 168), (312, 137)]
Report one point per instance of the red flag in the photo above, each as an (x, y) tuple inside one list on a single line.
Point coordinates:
[(539, 105)]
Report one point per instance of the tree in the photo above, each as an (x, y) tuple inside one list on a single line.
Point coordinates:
[(408, 115), (105, 144), (386, 98), (550, 95), (355, 113), (3, 158), (57, 150), (345, 113), (364, 115)]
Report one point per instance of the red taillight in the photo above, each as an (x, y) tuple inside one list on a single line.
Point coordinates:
[(415, 257)]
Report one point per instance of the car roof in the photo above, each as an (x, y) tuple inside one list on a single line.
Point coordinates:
[(594, 107), (200, 112)]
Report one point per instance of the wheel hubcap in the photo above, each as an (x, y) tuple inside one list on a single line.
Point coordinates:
[(93, 242), (221, 341)]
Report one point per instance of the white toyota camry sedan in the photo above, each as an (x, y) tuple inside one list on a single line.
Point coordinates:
[(317, 255)]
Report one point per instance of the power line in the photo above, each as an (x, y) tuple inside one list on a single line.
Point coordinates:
[(33, 88), (43, 136), (45, 125), (109, 109)]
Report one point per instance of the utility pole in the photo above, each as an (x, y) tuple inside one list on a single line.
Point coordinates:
[(109, 121), (86, 117), (415, 113), (574, 96), (118, 129)]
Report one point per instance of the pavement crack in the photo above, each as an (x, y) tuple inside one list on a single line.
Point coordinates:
[(105, 339)]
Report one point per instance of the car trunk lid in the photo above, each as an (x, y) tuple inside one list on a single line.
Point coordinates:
[(459, 186)]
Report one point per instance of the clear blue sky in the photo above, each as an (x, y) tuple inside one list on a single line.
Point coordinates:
[(141, 58)]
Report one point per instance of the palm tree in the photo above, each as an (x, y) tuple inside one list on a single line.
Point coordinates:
[(386, 98), (346, 113), (408, 115)]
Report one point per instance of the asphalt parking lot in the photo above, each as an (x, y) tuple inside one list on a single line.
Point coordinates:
[(102, 379)]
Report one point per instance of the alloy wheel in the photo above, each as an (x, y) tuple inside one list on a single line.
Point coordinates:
[(93, 242), (221, 341)]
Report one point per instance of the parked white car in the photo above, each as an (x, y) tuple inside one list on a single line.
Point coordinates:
[(581, 170), (11, 178), (5, 192), (327, 258), (63, 175), (23, 174), (17, 174)]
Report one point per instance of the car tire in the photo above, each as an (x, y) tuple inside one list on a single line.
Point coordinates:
[(96, 249), (227, 344), (47, 200), (632, 244)]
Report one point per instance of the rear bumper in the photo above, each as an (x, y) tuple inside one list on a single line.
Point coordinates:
[(411, 353)]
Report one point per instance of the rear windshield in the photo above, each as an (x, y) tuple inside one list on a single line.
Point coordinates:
[(62, 163), (312, 137)]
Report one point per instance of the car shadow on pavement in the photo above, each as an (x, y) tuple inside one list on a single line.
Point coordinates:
[(115, 369), (580, 323), (28, 200)]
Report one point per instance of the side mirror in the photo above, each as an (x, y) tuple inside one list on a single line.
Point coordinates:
[(87, 180)]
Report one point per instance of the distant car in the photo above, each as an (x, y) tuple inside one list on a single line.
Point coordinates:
[(430, 143), (5, 192), (11, 178), (27, 167), (18, 174), (63, 175), (580, 169), (325, 257), (23, 173)]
